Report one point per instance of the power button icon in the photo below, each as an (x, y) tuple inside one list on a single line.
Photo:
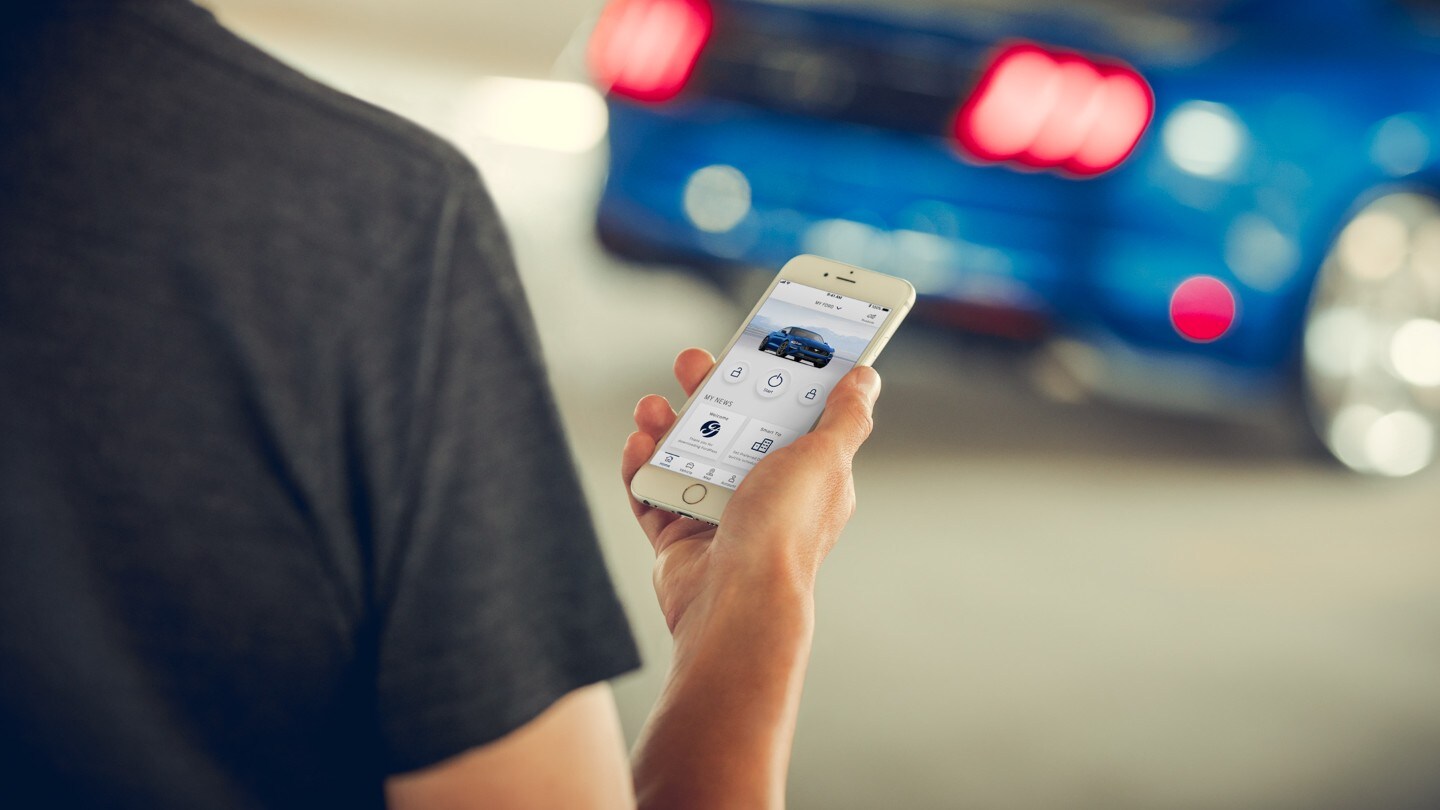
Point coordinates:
[(773, 383)]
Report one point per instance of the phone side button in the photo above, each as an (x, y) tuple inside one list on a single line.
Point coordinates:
[(694, 493)]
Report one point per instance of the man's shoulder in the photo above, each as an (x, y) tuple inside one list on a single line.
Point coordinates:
[(267, 88), (283, 153)]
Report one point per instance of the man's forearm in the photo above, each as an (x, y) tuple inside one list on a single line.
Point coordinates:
[(721, 731)]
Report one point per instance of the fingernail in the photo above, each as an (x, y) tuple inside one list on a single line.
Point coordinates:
[(868, 381)]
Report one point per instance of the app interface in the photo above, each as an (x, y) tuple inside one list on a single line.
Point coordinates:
[(770, 388)]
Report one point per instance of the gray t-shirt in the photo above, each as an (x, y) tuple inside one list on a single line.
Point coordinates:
[(284, 502)]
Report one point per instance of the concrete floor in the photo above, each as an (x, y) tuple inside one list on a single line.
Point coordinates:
[(1037, 605)]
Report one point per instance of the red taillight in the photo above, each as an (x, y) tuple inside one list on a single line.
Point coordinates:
[(1054, 110), (646, 49)]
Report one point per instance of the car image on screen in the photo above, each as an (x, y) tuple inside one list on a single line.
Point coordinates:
[(794, 343)]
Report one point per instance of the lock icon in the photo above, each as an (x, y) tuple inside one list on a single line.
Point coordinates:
[(812, 396), (735, 372)]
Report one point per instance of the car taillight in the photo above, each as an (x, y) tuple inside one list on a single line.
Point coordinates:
[(647, 49), (1049, 109)]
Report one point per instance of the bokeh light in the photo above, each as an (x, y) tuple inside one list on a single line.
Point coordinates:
[(1045, 109), (1336, 342), (1202, 309), (1399, 443), (1400, 145), (1203, 138), (1261, 255), (1415, 352), (717, 198), (1374, 245), (536, 113), (647, 49)]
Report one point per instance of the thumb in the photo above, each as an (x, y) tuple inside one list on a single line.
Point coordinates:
[(847, 417)]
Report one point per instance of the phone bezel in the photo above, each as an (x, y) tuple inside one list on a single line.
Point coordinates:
[(663, 488)]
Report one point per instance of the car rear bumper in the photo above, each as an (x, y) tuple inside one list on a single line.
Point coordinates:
[(1105, 368), (1026, 246)]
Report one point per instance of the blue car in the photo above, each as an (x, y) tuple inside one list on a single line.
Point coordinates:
[(1227, 208), (794, 343)]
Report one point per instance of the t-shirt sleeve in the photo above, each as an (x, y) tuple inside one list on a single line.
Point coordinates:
[(491, 595)]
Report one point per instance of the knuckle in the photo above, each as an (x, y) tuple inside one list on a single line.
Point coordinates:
[(864, 422), (821, 446)]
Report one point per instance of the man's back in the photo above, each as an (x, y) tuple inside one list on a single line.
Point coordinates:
[(271, 430)]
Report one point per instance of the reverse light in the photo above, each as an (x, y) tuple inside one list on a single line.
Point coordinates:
[(647, 49), (1048, 109)]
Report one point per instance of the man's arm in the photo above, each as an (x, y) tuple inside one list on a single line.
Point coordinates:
[(721, 732), (740, 603), (719, 736), (572, 755)]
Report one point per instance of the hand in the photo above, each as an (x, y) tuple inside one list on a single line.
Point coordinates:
[(782, 521)]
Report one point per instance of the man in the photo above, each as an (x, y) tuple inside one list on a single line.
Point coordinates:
[(286, 518)]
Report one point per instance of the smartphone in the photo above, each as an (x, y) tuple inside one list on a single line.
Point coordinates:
[(818, 319)]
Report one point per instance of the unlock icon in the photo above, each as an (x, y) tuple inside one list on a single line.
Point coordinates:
[(737, 373)]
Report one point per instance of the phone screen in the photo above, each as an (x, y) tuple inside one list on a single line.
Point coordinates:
[(772, 384)]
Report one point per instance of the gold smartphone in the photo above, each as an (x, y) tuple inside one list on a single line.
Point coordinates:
[(818, 319)]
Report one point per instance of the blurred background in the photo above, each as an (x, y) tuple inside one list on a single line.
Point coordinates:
[(1149, 518)]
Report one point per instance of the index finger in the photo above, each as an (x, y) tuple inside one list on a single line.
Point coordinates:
[(691, 366)]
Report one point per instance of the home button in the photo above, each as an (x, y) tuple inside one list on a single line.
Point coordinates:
[(694, 493)]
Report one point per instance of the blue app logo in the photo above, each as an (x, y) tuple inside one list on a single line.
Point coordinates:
[(710, 429)]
